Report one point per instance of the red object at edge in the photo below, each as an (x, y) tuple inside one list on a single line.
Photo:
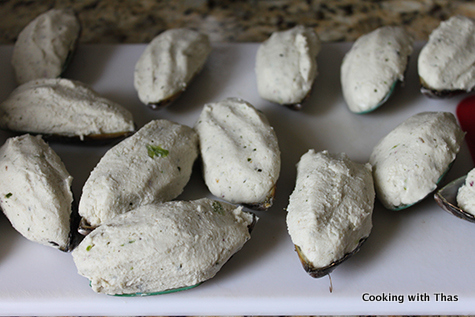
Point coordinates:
[(466, 117)]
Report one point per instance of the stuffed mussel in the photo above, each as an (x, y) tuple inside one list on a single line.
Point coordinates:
[(373, 66), (240, 153), (286, 66), (446, 64), (153, 165), (330, 210), (46, 45), (168, 64), (64, 109), (161, 248), (35, 191), (410, 161)]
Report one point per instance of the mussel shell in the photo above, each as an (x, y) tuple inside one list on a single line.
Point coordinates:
[(97, 139), (84, 228), (317, 272), (160, 293), (439, 94), (100, 138), (446, 199), (164, 103), (74, 237), (265, 204), (386, 97), (298, 105), (71, 53), (294, 106), (92, 139)]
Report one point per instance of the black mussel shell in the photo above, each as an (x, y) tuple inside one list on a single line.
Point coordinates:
[(322, 271), (164, 103), (446, 199), (439, 94), (93, 139)]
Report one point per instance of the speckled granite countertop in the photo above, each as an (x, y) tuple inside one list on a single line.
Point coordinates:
[(132, 21)]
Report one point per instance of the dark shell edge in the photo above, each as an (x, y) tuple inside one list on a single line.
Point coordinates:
[(92, 139), (440, 94), (266, 204), (446, 199), (322, 271)]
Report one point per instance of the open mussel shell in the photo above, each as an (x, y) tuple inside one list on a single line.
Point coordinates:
[(446, 199), (439, 94), (317, 272)]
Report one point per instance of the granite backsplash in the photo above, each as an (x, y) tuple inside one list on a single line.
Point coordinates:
[(132, 21)]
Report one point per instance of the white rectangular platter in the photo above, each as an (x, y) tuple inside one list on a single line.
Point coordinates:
[(422, 250)]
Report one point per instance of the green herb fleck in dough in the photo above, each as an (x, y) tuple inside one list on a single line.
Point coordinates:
[(218, 208), (8, 195), (155, 150)]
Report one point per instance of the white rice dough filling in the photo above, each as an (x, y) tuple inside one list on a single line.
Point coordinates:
[(35, 191), (466, 194), (169, 63), (161, 247), (45, 44), (375, 62), (153, 165), (410, 160), (239, 150), (63, 107), (286, 65), (447, 61)]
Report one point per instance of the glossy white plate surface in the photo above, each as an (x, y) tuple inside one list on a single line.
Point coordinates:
[(422, 250)]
